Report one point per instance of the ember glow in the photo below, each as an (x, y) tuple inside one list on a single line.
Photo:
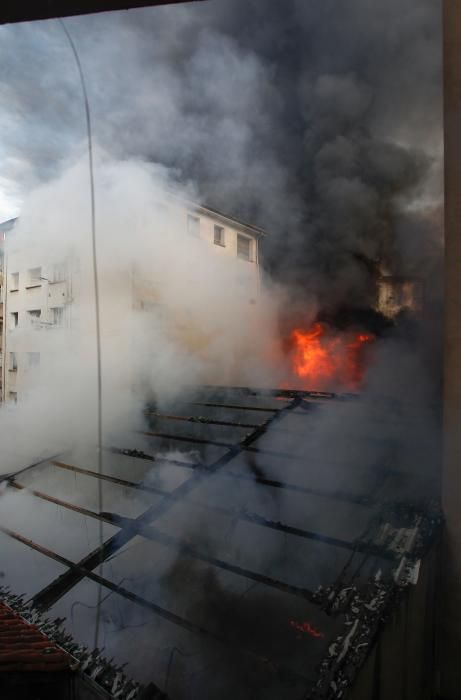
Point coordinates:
[(323, 358), (306, 628)]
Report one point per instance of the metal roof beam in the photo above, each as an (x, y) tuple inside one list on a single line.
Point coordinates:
[(62, 584), (81, 572), (178, 545), (339, 495), (219, 443)]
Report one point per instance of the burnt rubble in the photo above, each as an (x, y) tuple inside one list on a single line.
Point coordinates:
[(408, 531)]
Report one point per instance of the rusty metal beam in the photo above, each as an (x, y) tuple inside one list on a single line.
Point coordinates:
[(254, 450), (234, 406), (202, 420), (278, 393), (338, 494), (270, 665), (61, 585), (178, 545), (151, 533), (219, 443), (111, 479), (254, 519), (21, 470), (58, 502)]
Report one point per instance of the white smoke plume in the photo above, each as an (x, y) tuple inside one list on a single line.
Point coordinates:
[(173, 311)]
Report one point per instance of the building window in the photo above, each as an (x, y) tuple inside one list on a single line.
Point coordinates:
[(14, 319), (57, 315), (34, 275), (34, 316), (243, 247), (33, 359), (193, 225), (219, 235), (14, 282), (13, 362), (13, 396)]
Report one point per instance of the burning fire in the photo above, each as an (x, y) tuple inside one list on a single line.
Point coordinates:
[(306, 628), (322, 358)]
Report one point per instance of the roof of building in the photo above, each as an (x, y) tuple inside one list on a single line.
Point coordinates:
[(260, 579), (94, 669), (255, 230), (24, 648), (216, 213), (251, 229)]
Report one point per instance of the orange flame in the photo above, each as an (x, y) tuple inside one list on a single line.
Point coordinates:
[(322, 359)]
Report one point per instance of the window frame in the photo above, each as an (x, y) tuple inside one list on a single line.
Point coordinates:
[(221, 238), (250, 241), (57, 311), (34, 317), (13, 361)]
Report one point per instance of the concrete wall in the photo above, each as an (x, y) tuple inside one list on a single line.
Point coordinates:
[(250, 273)]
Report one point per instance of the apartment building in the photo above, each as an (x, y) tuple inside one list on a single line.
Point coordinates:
[(41, 293), (5, 228)]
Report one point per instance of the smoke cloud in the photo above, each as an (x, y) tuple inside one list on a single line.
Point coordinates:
[(319, 122), (173, 312), (322, 124)]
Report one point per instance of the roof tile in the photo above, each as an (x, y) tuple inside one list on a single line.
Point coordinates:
[(24, 648)]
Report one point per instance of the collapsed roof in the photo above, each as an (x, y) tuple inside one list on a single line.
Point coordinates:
[(233, 561)]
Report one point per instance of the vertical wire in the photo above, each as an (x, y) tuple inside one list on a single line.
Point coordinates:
[(97, 314)]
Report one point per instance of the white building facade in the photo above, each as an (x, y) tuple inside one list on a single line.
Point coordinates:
[(41, 294)]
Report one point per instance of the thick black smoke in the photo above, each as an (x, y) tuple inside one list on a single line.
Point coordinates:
[(318, 121)]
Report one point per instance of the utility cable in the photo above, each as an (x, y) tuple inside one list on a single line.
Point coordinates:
[(97, 313)]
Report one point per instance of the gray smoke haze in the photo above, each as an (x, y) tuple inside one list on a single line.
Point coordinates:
[(320, 122), (163, 325)]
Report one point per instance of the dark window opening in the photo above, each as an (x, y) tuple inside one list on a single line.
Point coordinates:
[(219, 235), (243, 247)]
